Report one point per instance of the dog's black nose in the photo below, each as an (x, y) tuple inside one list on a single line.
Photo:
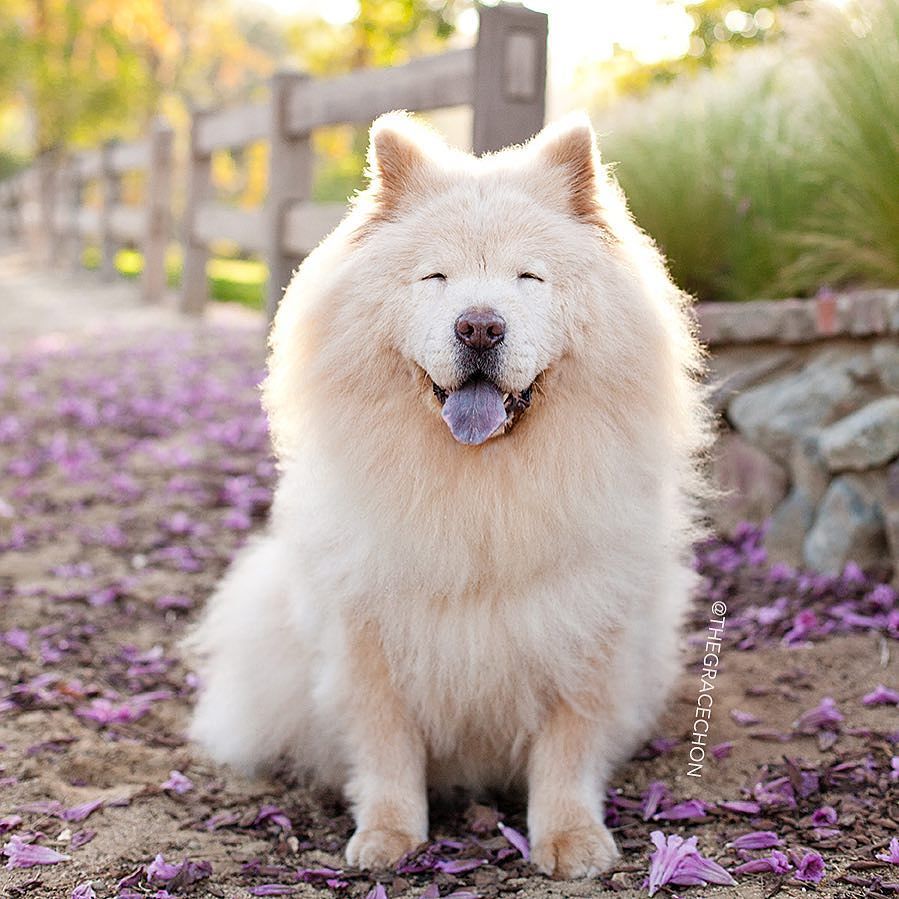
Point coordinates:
[(481, 329)]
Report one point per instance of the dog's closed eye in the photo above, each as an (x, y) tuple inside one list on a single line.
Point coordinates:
[(530, 276), (434, 276)]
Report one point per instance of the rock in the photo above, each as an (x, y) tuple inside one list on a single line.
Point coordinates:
[(849, 525), (885, 358), (865, 439), (773, 414), (753, 483), (791, 521), (891, 518), (786, 321), (723, 387), (808, 470)]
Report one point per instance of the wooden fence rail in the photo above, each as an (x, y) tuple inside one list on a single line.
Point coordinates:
[(502, 78)]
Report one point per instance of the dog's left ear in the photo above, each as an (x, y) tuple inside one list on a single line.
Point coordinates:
[(567, 152), (400, 151)]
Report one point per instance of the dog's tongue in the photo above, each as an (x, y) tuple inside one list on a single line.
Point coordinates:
[(474, 411)]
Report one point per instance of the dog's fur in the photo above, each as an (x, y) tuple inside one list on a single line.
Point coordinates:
[(421, 612)]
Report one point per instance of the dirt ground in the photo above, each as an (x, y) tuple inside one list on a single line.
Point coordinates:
[(134, 461)]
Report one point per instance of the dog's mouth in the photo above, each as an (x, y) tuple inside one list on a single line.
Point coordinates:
[(478, 410)]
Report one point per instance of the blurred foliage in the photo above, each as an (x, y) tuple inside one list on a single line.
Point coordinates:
[(384, 33), (851, 233), (779, 172), (10, 163), (765, 159), (721, 29), (230, 280), (94, 69), (714, 172), (89, 70)]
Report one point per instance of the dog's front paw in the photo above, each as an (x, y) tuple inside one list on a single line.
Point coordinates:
[(378, 849), (576, 852)]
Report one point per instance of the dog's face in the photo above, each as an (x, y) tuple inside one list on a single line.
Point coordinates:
[(480, 264)]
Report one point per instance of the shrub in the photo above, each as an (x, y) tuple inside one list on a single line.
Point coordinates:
[(778, 173), (852, 231)]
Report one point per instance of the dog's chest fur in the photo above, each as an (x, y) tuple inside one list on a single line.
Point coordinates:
[(480, 674)]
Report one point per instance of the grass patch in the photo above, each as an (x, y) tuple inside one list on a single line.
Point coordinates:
[(230, 280), (851, 233), (238, 281)]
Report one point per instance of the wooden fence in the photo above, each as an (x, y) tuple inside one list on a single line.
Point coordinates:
[(502, 78)]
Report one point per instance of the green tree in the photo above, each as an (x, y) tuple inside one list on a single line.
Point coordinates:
[(88, 70), (384, 33), (721, 28)]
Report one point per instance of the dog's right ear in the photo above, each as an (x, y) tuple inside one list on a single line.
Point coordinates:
[(399, 157)]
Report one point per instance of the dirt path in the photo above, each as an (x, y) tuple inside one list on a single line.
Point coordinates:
[(134, 460)]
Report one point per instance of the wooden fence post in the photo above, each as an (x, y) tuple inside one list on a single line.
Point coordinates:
[(157, 200), (194, 286), (8, 199), (21, 198), (70, 196), (509, 76), (289, 181), (30, 207), (43, 230), (111, 189)]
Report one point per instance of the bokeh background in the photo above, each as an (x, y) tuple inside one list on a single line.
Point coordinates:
[(756, 139)]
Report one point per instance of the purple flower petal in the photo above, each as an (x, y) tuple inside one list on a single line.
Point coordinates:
[(16, 638), (377, 893), (105, 712), (824, 816), (84, 891), (884, 597), (892, 854), (459, 865), (160, 869), (805, 624), (776, 863), (744, 719), (721, 750), (741, 806), (10, 822), (181, 603), (82, 811), (311, 875), (881, 695), (177, 783), (678, 861), (757, 839), (690, 810), (271, 889), (825, 715), (661, 745), (81, 838), (27, 855), (187, 872), (221, 819), (810, 868), (275, 815), (518, 840), (656, 794)]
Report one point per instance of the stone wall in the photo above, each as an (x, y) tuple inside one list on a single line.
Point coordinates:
[(808, 394)]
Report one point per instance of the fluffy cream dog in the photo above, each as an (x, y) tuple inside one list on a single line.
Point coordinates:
[(482, 394)]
